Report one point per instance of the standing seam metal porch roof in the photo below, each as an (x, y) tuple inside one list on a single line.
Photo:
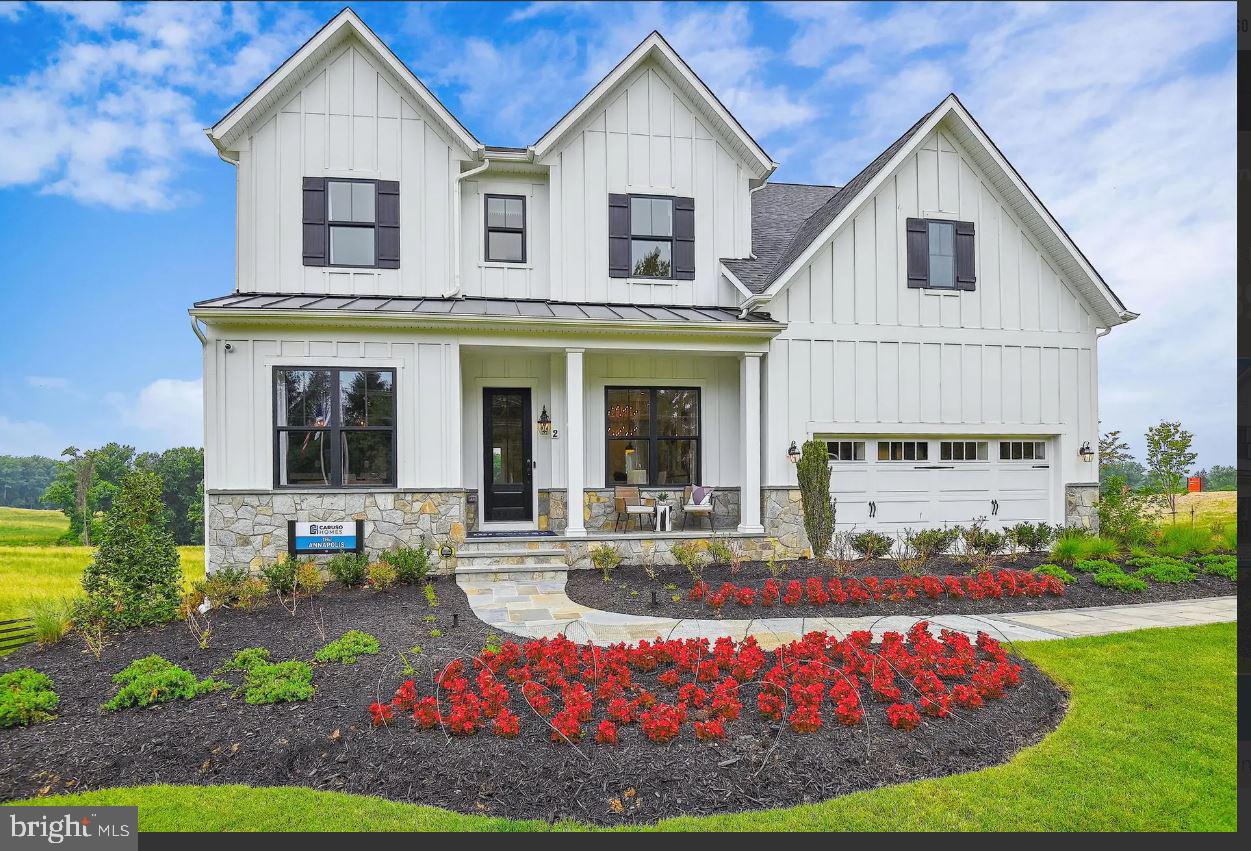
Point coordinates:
[(501, 308)]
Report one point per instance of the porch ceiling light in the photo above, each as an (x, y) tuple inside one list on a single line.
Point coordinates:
[(792, 454), (545, 422), (1087, 454)]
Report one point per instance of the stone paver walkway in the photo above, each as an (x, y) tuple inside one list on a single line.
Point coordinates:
[(534, 608)]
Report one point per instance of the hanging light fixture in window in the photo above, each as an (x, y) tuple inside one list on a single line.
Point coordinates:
[(792, 454), (1087, 454), (545, 422), (629, 450)]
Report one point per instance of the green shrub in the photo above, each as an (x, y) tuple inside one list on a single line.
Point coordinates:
[(1095, 565), (26, 696), (1069, 547), (1100, 547), (689, 554), (1226, 538), (253, 593), (871, 544), (1030, 537), (982, 542), (381, 576), (1054, 570), (154, 679), (813, 471), (1167, 570), (280, 576), (1182, 540), (224, 587), (244, 660), (411, 563), (1124, 514), (1120, 580), (605, 557), (929, 543), (720, 552), (52, 616), (135, 570), (348, 648), (284, 682), (350, 569), (1220, 565)]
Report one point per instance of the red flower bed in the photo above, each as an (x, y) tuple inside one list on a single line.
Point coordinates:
[(821, 679), (871, 589)]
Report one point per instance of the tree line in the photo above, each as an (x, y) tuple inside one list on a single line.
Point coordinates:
[(1170, 461), (83, 483)]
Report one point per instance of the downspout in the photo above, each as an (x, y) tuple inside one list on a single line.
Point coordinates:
[(454, 292), (195, 326)]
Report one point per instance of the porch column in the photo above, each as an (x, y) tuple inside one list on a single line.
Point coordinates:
[(575, 440), (749, 405)]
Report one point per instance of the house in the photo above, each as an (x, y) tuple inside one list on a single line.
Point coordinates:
[(446, 339)]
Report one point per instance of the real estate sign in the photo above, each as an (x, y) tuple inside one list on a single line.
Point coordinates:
[(325, 537)]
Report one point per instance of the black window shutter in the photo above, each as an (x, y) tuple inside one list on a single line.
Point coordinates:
[(684, 239), (918, 253), (314, 190), (966, 274), (618, 236), (387, 219)]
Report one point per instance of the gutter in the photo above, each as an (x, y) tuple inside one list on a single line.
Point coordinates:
[(195, 326), (455, 292)]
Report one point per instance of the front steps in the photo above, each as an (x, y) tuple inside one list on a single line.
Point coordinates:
[(504, 558)]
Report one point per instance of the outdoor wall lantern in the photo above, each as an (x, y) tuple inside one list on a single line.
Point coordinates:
[(792, 454), (545, 422), (1087, 454)]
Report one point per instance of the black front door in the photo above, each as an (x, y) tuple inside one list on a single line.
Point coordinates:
[(507, 464)]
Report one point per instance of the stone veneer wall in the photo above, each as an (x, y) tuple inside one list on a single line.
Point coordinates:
[(599, 514), (250, 528), (782, 515), (1080, 499)]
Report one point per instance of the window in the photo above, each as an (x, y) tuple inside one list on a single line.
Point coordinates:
[(334, 427), (903, 450), (505, 228), (652, 436), (845, 450), (352, 223), (651, 237), (962, 450), (940, 254), (1022, 450)]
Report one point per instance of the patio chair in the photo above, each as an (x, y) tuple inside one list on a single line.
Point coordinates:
[(699, 505), (629, 503)]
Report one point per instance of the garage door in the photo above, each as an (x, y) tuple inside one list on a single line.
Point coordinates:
[(894, 483)]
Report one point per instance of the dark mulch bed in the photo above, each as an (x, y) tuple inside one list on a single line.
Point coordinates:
[(327, 743), (629, 590)]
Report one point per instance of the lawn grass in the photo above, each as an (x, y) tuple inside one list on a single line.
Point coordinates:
[(48, 571), (20, 527), (1210, 508), (1149, 743)]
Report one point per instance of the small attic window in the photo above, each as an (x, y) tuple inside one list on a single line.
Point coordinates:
[(941, 254)]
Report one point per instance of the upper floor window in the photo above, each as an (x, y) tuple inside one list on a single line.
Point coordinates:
[(334, 427), (940, 254), (505, 228), (351, 222), (651, 236)]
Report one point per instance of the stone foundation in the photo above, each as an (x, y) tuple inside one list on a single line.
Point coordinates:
[(1080, 501), (782, 514), (250, 528)]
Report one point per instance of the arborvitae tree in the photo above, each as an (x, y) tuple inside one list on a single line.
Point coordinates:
[(813, 470)]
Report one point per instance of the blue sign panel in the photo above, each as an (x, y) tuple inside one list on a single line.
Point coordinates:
[(325, 537)]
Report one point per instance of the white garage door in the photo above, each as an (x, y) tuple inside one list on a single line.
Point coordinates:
[(891, 483)]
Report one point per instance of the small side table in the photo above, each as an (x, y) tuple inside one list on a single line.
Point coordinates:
[(664, 517)]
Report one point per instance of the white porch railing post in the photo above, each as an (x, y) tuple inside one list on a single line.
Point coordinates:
[(749, 495), (575, 442)]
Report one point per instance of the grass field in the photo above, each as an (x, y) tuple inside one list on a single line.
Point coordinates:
[(43, 571), (20, 527), (1211, 507), (1149, 743)]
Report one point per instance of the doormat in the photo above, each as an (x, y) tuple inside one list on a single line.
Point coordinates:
[(513, 533)]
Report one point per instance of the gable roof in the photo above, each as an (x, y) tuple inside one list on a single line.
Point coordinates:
[(821, 225), (227, 131), (655, 48), (778, 210)]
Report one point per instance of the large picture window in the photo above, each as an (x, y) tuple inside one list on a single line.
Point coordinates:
[(334, 428), (653, 436)]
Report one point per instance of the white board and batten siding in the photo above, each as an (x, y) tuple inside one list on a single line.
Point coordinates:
[(504, 280), (349, 118), (863, 354), (648, 139)]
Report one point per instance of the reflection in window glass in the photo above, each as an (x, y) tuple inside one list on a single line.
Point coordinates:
[(651, 216), (351, 246), (366, 398), (320, 444), (304, 458), (650, 258), (367, 457), (652, 435), (303, 397), (677, 412), (676, 463)]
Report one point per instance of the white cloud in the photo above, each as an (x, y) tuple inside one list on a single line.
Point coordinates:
[(11, 10), (114, 111), (28, 437), (168, 411)]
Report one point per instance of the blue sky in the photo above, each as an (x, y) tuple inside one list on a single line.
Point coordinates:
[(118, 215)]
